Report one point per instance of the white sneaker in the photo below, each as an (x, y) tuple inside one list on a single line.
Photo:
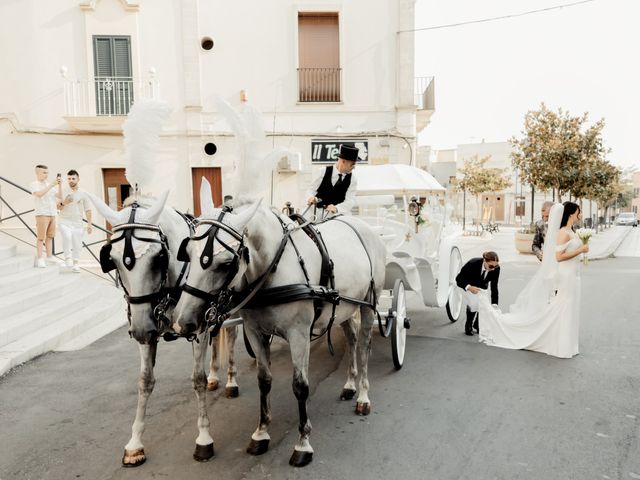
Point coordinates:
[(41, 263), (52, 261), (76, 269), (68, 262)]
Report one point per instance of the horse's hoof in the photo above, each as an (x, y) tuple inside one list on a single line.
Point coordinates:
[(347, 394), (133, 458), (300, 459), (212, 385), (203, 453), (231, 392), (258, 447), (363, 408)]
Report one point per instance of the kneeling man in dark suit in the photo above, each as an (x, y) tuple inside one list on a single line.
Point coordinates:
[(477, 274)]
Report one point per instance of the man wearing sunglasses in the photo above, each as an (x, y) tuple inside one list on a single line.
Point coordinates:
[(477, 274)]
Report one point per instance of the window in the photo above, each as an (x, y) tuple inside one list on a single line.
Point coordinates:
[(318, 57), (112, 72)]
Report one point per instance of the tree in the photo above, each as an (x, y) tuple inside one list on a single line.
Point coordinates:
[(557, 150), (478, 179), (605, 186)]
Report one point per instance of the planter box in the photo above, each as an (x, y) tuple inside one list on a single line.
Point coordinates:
[(523, 242)]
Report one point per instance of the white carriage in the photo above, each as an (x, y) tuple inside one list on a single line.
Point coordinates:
[(406, 206)]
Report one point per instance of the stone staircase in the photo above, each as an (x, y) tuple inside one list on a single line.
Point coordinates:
[(45, 309)]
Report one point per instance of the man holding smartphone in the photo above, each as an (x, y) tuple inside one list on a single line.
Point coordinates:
[(73, 206), (44, 197)]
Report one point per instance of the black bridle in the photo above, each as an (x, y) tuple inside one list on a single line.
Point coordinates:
[(220, 301), (160, 298)]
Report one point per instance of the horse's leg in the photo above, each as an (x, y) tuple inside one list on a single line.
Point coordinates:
[(213, 381), (204, 442), (134, 450), (260, 344), (350, 329), (231, 389), (363, 406), (299, 346)]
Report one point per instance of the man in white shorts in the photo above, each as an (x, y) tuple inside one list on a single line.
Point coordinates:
[(73, 204), (44, 198)]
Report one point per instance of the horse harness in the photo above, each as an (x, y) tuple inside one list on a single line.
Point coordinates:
[(161, 298), (226, 301)]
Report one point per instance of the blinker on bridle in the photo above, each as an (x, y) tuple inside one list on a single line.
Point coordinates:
[(219, 301), (128, 257)]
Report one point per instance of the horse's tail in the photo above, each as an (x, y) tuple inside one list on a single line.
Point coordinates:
[(223, 351)]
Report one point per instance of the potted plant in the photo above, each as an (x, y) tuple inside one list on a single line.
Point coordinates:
[(524, 238)]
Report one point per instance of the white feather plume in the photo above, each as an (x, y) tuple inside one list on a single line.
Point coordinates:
[(255, 163), (141, 137)]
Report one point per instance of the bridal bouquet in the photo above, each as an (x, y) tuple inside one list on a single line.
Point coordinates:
[(584, 234)]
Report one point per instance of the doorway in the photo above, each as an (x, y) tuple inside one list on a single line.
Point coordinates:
[(116, 188), (214, 177), (495, 204)]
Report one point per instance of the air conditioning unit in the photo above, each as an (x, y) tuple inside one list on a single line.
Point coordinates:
[(291, 162)]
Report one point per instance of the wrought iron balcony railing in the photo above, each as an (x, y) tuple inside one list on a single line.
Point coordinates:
[(319, 85), (106, 96)]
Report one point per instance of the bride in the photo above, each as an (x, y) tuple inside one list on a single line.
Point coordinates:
[(546, 315)]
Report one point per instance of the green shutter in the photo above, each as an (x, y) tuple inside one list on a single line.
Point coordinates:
[(112, 66), (122, 57), (102, 57)]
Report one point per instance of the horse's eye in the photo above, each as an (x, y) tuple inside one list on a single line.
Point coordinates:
[(225, 266)]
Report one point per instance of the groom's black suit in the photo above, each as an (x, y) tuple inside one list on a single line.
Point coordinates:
[(471, 274)]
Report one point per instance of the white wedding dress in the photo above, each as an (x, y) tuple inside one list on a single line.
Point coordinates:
[(546, 315)]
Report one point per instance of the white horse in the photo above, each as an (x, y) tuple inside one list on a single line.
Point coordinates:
[(241, 256), (148, 269)]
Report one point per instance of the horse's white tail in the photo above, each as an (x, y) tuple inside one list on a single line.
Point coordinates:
[(223, 351)]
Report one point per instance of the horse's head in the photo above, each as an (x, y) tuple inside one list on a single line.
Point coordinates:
[(138, 250), (219, 258)]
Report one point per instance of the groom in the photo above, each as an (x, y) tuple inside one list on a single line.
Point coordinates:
[(477, 274)]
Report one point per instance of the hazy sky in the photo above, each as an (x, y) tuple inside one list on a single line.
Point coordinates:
[(580, 58)]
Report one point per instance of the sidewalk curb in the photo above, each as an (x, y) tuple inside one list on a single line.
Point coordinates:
[(609, 252)]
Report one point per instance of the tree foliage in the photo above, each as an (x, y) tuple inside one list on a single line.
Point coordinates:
[(559, 151), (478, 179)]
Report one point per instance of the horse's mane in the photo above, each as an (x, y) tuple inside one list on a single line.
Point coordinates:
[(244, 200), (145, 201)]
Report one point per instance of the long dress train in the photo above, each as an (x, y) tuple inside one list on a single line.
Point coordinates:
[(552, 329)]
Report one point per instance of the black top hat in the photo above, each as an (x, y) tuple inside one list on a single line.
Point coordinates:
[(348, 153)]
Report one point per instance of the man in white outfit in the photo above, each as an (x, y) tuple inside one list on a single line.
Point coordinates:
[(73, 204)]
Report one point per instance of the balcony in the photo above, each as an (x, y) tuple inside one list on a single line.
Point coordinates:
[(101, 104), (424, 100), (319, 85)]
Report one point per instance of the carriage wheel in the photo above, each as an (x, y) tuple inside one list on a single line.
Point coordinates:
[(454, 301), (399, 329)]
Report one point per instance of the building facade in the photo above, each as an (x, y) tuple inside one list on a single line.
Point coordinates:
[(512, 205), (320, 73)]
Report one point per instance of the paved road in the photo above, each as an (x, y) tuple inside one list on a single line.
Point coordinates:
[(457, 410), (630, 247)]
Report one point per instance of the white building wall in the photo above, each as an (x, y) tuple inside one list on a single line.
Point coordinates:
[(255, 50)]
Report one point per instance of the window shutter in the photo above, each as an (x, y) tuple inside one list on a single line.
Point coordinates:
[(122, 57), (102, 57)]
